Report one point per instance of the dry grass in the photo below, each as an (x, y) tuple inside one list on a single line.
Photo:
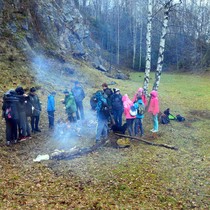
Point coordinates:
[(139, 177)]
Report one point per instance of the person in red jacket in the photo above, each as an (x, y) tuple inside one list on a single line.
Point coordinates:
[(154, 109), (127, 103)]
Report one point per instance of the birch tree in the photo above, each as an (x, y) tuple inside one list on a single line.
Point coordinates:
[(167, 8), (134, 25), (148, 47)]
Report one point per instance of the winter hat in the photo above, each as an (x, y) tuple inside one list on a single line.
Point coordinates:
[(66, 91), (116, 90), (33, 89), (19, 90)]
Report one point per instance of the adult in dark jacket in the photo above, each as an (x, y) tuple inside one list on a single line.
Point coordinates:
[(107, 93), (28, 108), (36, 110), (102, 116), (79, 95), (51, 108), (10, 114), (117, 107), (22, 120)]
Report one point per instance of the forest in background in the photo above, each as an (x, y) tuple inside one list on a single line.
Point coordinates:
[(120, 27)]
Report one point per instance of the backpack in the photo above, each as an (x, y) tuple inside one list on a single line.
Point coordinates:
[(179, 118), (94, 100), (164, 119), (9, 113), (141, 109), (105, 109), (133, 111), (9, 105)]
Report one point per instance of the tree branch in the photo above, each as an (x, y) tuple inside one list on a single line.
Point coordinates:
[(148, 142)]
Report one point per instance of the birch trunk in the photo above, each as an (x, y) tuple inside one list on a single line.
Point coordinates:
[(148, 47), (140, 46), (158, 72), (118, 35), (134, 36)]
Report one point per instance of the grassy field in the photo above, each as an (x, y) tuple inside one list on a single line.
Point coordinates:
[(138, 177)]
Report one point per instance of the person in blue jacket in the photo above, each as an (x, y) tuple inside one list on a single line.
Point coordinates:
[(138, 124), (51, 108)]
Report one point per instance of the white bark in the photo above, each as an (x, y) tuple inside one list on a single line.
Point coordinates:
[(118, 35), (158, 72), (134, 35), (148, 47)]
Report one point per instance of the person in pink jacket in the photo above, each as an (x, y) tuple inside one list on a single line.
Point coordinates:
[(127, 103), (140, 92), (154, 109)]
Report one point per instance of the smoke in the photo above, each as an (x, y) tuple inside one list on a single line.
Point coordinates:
[(65, 135)]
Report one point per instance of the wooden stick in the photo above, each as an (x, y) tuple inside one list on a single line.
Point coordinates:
[(148, 142)]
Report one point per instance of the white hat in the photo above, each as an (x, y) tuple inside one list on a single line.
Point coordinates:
[(116, 89)]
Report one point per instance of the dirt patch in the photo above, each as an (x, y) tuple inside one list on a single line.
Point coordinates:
[(201, 113)]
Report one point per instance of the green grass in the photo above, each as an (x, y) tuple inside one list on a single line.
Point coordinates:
[(140, 177)]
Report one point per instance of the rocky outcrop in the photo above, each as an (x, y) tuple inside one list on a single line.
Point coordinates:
[(53, 27)]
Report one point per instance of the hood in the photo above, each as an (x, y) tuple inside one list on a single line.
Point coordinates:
[(140, 90), (154, 93), (125, 97)]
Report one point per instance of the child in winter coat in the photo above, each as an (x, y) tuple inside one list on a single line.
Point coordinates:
[(140, 92), (127, 103), (70, 106), (154, 109), (51, 108), (139, 117)]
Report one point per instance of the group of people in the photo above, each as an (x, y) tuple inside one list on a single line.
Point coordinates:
[(22, 111), (17, 108), (111, 105)]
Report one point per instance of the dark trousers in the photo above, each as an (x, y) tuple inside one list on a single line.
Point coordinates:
[(117, 114), (72, 117), (11, 129), (51, 118), (138, 126), (130, 126), (34, 123), (22, 124), (80, 110)]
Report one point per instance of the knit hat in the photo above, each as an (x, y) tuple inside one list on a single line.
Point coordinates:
[(19, 90), (66, 91), (33, 89), (116, 90)]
